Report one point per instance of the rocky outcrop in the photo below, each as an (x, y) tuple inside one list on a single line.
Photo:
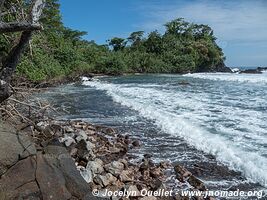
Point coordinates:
[(78, 158), (258, 70), (13, 147), (28, 174)]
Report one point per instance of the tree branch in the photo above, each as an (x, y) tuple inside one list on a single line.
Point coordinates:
[(13, 58), (18, 26)]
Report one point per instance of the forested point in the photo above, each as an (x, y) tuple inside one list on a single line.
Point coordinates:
[(58, 51)]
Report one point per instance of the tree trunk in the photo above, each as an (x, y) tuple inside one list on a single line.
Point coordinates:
[(13, 58)]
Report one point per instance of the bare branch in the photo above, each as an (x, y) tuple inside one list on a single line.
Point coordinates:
[(37, 10), (1, 4), (18, 26)]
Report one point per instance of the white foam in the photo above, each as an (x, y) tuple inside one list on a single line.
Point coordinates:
[(245, 78), (160, 105)]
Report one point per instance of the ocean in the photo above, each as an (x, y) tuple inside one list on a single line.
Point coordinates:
[(215, 124)]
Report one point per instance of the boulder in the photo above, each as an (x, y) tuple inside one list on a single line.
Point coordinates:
[(19, 180), (182, 173), (95, 166), (50, 179), (114, 168), (81, 136), (13, 147), (196, 183), (105, 180), (86, 174), (126, 176), (133, 190)]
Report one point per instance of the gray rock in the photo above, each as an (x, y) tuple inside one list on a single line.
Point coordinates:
[(114, 168), (81, 136), (105, 180), (95, 166), (86, 174), (17, 178), (13, 147)]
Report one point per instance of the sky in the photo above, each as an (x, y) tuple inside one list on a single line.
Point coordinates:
[(239, 25)]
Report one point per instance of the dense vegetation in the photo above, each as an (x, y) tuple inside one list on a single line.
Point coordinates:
[(58, 51)]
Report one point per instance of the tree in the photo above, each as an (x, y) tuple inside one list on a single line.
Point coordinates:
[(10, 63), (176, 27), (117, 43), (135, 38), (154, 42)]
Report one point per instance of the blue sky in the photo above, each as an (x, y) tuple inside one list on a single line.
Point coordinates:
[(240, 25)]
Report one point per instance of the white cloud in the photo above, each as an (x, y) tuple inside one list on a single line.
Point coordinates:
[(240, 22), (231, 20)]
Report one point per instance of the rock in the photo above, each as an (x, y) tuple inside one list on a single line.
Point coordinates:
[(73, 152), (165, 164), (95, 166), (51, 180), (89, 145), (144, 165), (114, 168), (68, 140), (81, 136), (86, 174), (126, 176), (16, 181), (28, 191), (69, 129), (136, 143), (196, 183), (13, 147), (251, 71), (82, 148), (183, 83), (42, 125), (133, 190), (156, 172), (149, 198), (182, 173), (105, 180)]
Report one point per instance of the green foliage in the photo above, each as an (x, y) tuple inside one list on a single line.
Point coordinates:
[(60, 51)]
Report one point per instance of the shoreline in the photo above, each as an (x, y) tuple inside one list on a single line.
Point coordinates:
[(68, 133), (100, 155)]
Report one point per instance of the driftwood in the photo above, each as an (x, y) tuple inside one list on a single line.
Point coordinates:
[(27, 27)]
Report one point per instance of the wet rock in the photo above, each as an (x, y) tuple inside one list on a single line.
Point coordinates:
[(114, 168), (156, 173), (136, 143), (196, 183), (182, 173), (144, 165)]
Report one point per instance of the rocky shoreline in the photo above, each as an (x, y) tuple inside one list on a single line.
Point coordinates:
[(79, 160)]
